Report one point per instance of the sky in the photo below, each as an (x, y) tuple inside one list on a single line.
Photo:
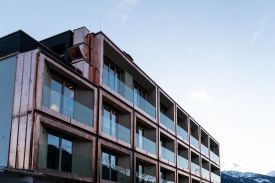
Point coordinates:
[(215, 58)]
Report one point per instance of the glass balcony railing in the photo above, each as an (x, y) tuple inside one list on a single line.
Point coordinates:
[(194, 142), (145, 178), (205, 174), (81, 165), (167, 154), (116, 130), (121, 174), (204, 150), (182, 162), (127, 92), (215, 178), (167, 121), (214, 157), (195, 169), (70, 106), (146, 144), (166, 181), (144, 105), (181, 133)]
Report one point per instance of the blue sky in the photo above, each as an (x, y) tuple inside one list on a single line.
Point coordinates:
[(215, 58)]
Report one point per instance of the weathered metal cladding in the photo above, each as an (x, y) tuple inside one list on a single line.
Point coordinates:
[(22, 121)]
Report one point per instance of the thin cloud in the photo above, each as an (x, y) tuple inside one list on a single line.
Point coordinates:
[(123, 8), (263, 22), (200, 95)]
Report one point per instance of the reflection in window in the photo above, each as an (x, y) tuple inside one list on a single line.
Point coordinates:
[(59, 155), (109, 121), (111, 76), (109, 166)]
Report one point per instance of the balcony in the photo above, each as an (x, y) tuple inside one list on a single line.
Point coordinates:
[(62, 155), (214, 151), (183, 178), (166, 121), (69, 102), (145, 144), (121, 77), (214, 157), (195, 164), (116, 130), (143, 104), (182, 125), (145, 172), (115, 167), (215, 178), (182, 162), (167, 154), (204, 150), (205, 174), (167, 176), (195, 169), (194, 142)]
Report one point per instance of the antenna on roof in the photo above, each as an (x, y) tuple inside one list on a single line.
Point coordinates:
[(100, 24)]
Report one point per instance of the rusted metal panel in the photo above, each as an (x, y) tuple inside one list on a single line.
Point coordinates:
[(32, 79), (25, 83), (21, 142), (28, 141), (18, 84), (40, 78), (35, 143), (13, 142)]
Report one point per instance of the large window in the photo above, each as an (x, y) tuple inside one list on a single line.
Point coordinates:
[(59, 155), (62, 96), (111, 76), (110, 118)]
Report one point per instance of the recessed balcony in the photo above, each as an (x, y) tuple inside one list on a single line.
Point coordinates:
[(146, 137), (167, 148), (195, 164), (167, 176), (183, 178), (214, 152), (182, 125), (204, 143), (183, 157), (205, 173), (116, 123), (215, 174), (115, 166), (167, 113), (68, 98), (145, 172), (62, 153), (194, 135)]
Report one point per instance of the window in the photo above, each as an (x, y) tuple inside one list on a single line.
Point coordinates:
[(111, 76), (110, 118), (61, 96), (109, 166), (59, 155)]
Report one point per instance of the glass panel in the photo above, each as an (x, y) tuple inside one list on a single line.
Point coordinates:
[(181, 133), (215, 178), (182, 162), (112, 78), (167, 121), (123, 133), (205, 173), (167, 154), (194, 142), (68, 100), (195, 169), (148, 144), (82, 165), (105, 166), (143, 177), (204, 150), (66, 155), (71, 108), (113, 124), (55, 95), (105, 74), (53, 152), (113, 168), (145, 105), (214, 157)]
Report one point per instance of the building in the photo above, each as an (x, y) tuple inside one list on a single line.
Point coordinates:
[(76, 108)]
